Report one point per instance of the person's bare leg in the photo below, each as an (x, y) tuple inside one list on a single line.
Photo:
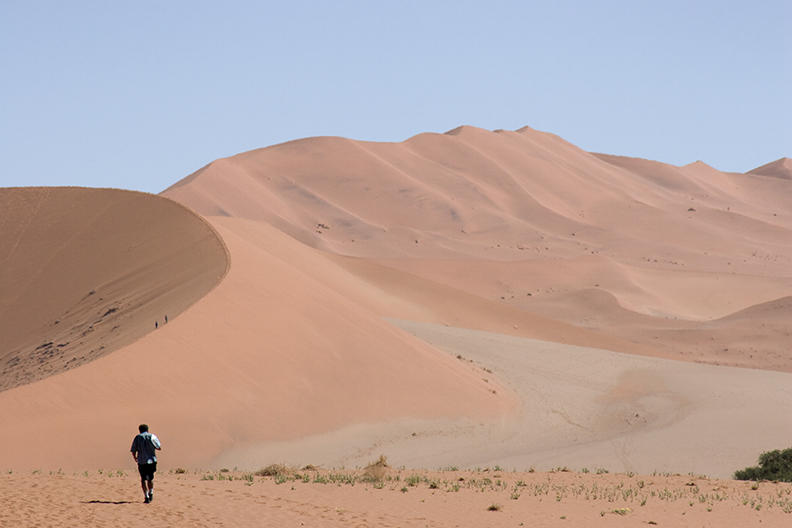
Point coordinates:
[(143, 485), (151, 489)]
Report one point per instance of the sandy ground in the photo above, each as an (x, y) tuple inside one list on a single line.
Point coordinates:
[(403, 498), (580, 407)]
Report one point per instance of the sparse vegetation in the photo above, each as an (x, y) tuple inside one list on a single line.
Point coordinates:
[(412, 480), (618, 494)]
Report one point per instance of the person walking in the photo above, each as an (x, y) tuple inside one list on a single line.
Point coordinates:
[(144, 448)]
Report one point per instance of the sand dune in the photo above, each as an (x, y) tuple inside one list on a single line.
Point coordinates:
[(270, 354), (574, 263), (780, 168), (87, 271), (529, 221)]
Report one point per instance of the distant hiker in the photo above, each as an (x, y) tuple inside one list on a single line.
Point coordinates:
[(143, 450), (166, 318), (156, 325)]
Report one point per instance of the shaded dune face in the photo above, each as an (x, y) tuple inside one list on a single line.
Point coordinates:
[(87, 271), (780, 168), (645, 251)]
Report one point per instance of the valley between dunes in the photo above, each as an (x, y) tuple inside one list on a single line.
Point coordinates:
[(463, 299)]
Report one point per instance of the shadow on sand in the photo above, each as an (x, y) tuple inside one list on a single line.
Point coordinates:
[(107, 502)]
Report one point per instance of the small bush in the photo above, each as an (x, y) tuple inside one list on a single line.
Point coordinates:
[(773, 465), (273, 470), (377, 470)]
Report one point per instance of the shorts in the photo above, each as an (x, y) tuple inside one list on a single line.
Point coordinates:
[(147, 471)]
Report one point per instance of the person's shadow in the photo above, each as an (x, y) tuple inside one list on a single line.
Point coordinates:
[(106, 502)]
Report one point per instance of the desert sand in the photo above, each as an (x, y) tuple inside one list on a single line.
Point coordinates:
[(402, 498), (87, 271), (465, 299)]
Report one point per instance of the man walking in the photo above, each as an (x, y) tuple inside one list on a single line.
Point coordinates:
[(143, 450)]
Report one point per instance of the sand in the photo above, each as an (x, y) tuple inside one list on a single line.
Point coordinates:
[(580, 408), (272, 353), (433, 499), (639, 251), (87, 271), (463, 299)]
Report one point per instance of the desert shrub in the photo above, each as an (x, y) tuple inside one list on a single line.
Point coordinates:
[(273, 470), (773, 465), (377, 470)]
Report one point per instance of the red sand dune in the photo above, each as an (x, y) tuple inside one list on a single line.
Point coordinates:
[(516, 233), (270, 354), (780, 168), (528, 221), (87, 271)]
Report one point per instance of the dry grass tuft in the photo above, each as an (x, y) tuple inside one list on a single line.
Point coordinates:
[(377, 470), (273, 470)]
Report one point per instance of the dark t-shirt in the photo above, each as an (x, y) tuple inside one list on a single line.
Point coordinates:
[(144, 445)]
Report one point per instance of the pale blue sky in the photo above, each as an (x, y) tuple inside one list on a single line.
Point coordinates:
[(139, 94)]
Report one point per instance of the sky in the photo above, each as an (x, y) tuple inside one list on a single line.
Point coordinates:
[(137, 95)]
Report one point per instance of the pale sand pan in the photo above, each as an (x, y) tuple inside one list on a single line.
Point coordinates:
[(581, 408)]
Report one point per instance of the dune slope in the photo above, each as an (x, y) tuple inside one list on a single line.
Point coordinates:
[(87, 271), (272, 353), (527, 220), (780, 168)]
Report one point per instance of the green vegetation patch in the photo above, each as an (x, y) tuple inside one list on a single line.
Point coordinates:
[(773, 465)]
